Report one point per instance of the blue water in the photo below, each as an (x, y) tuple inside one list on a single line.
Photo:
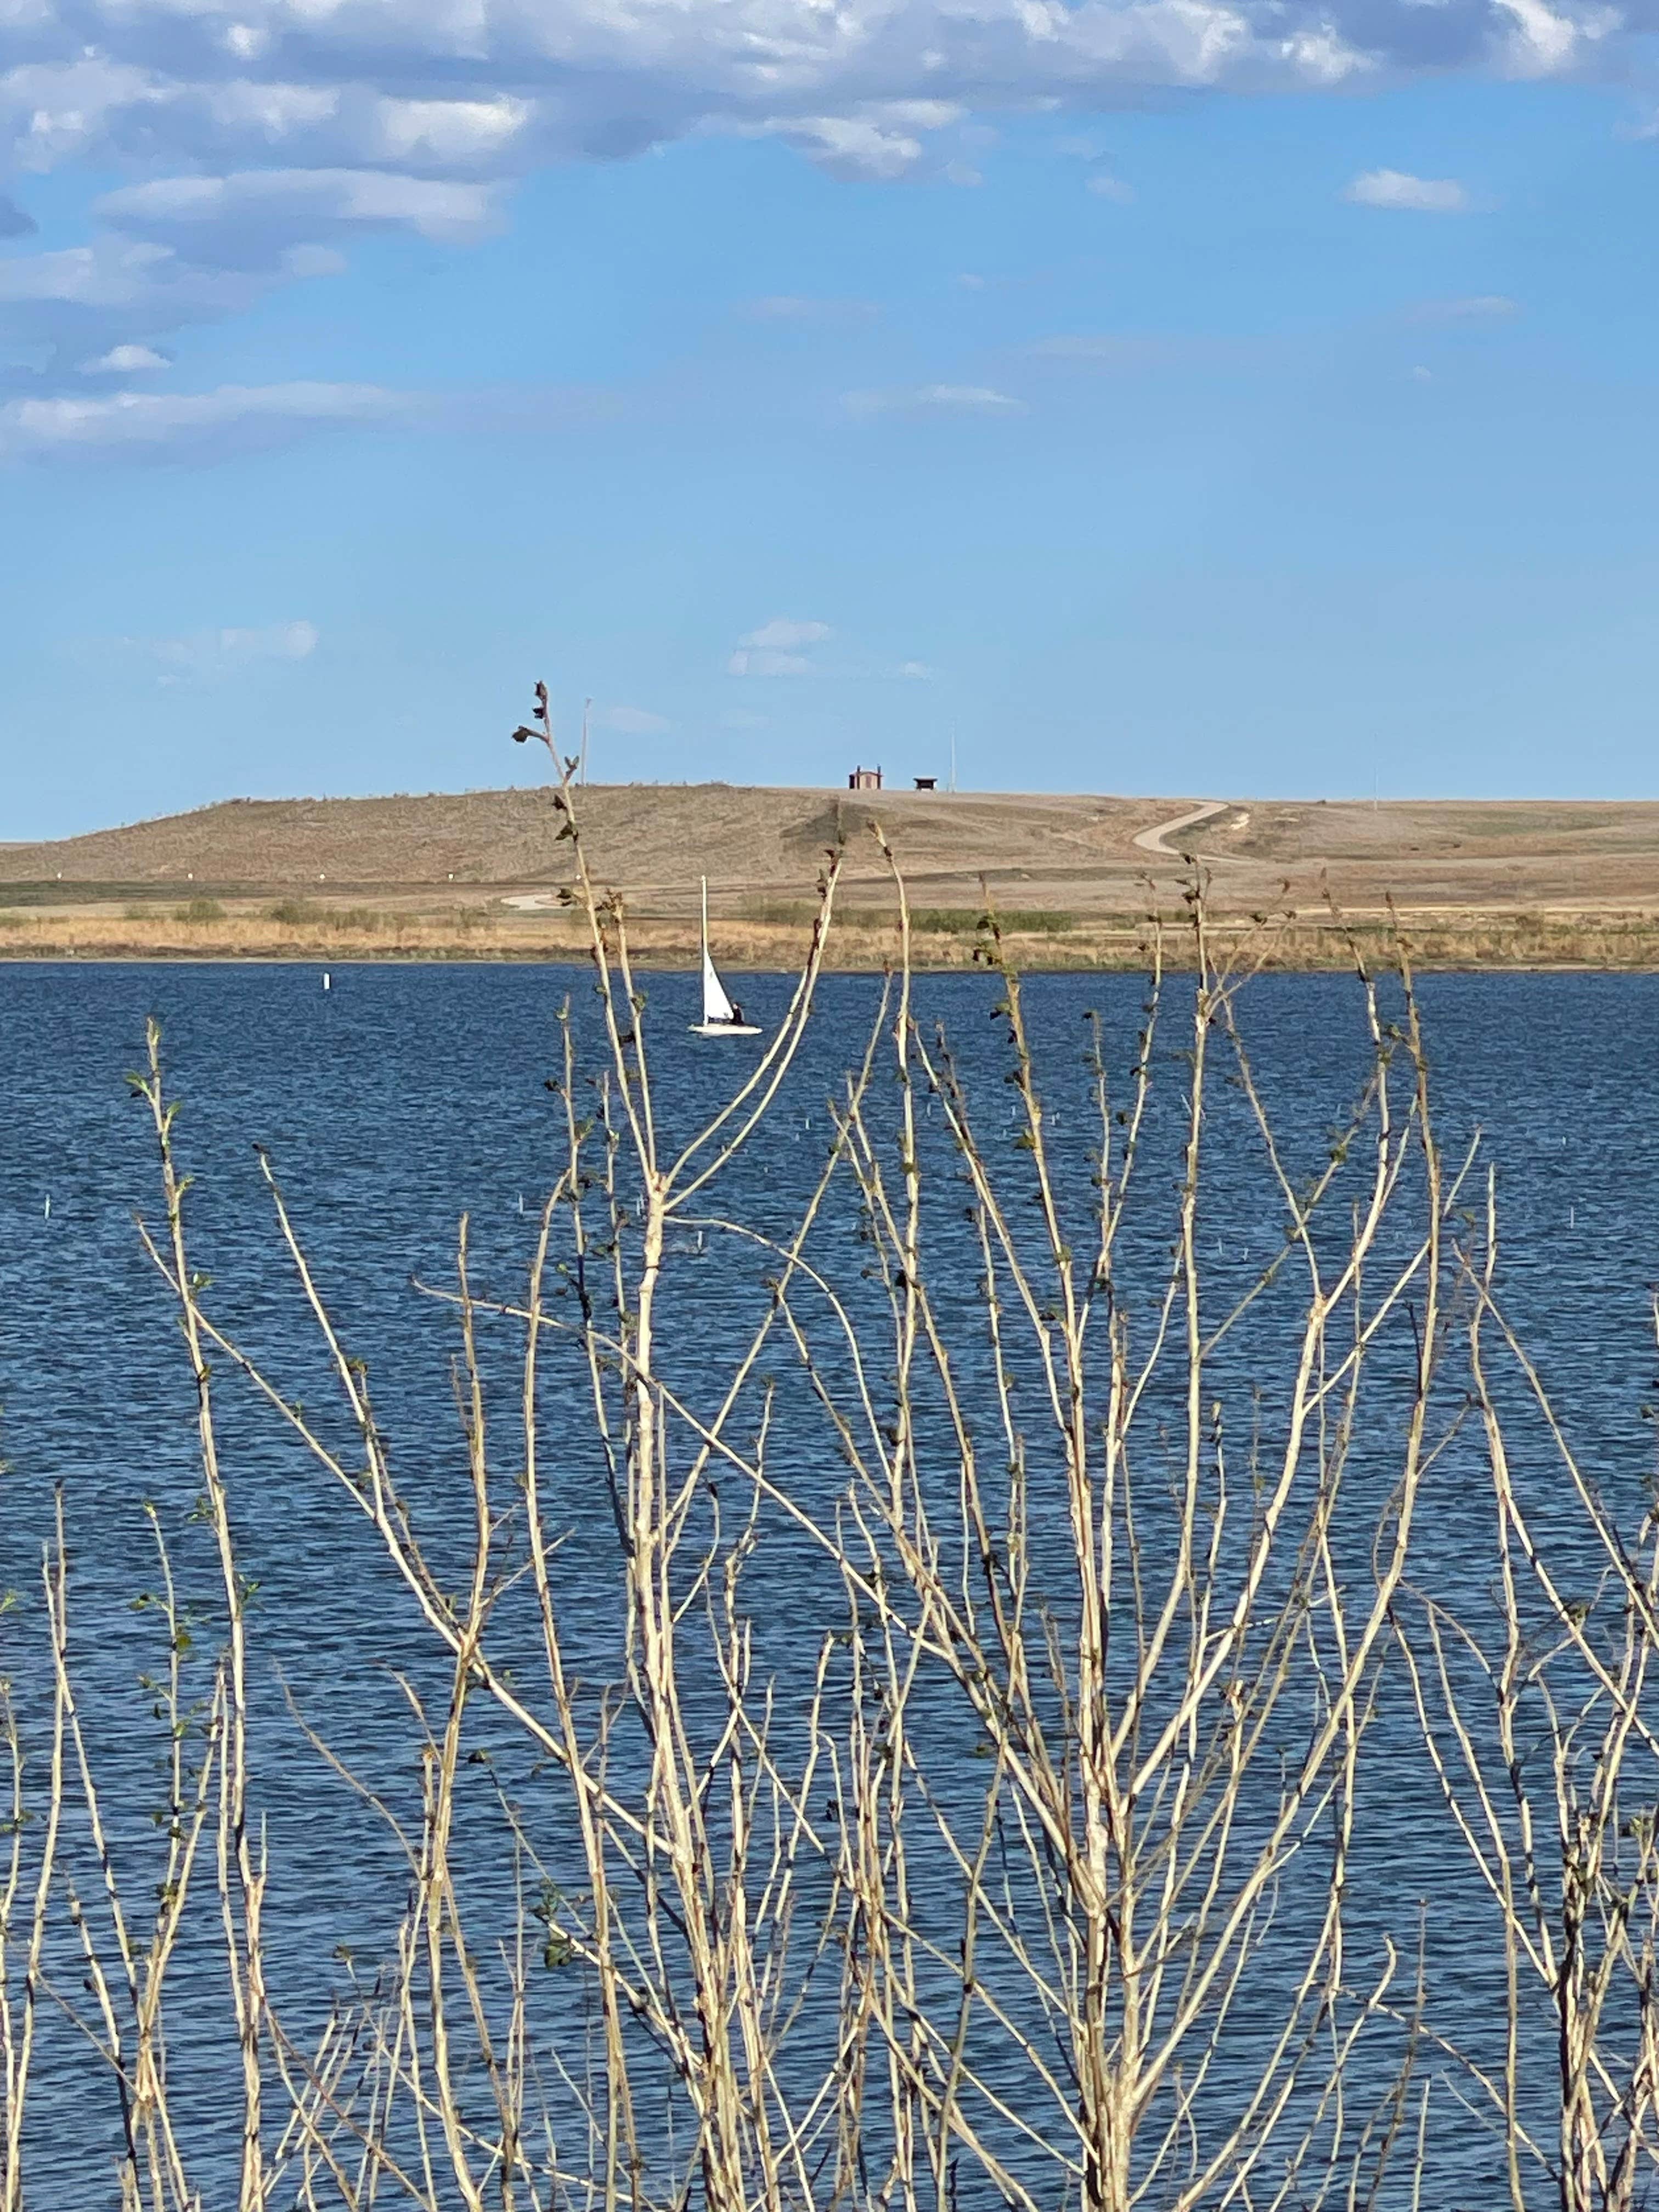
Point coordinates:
[(404, 1097)]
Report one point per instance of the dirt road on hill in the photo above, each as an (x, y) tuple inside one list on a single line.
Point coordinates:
[(1156, 839)]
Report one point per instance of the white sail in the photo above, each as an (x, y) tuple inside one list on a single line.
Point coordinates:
[(716, 1007), (720, 1017)]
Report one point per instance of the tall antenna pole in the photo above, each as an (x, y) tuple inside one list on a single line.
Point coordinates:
[(581, 772)]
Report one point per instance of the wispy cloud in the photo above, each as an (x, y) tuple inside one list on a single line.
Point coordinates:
[(933, 400), (777, 648), (1090, 147), (880, 140), (631, 722), (193, 426), (85, 309), (784, 633), (1394, 188), (125, 360), (249, 220), (787, 647), (207, 655)]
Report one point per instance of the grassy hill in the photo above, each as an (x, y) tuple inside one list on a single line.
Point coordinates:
[(480, 870)]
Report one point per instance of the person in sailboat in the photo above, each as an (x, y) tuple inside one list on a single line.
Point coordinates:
[(720, 1017)]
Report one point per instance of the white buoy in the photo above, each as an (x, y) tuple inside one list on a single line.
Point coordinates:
[(48, 1212), (327, 982)]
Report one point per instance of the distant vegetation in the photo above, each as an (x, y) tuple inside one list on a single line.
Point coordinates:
[(147, 898), (199, 909), (1015, 921), (935, 920), (791, 913), (306, 914)]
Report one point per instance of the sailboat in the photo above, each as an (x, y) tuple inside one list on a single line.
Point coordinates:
[(720, 1017)]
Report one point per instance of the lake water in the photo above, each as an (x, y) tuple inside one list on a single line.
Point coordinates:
[(403, 1097)]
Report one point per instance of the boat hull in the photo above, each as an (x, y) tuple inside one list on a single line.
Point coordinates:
[(724, 1029)]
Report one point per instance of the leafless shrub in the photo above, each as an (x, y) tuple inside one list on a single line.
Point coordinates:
[(1013, 1866), (1537, 1712)]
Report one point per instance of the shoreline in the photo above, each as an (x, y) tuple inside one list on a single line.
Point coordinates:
[(1514, 942)]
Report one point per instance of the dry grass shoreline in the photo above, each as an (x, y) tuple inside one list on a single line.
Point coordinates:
[(1595, 941)]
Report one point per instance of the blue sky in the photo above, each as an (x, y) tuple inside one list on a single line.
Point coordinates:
[(1171, 398)]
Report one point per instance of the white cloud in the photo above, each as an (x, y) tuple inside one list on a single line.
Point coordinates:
[(1105, 186), (125, 360), (79, 305), (870, 93), (206, 655), (109, 276), (776, 648), (631, 722), (852, 146), (251, 219), (917, 672), (1544, 41), (934, 399), (204, 425), (262, 138), (1421, 375), (450, 134), (784, 634), (1393, 188)]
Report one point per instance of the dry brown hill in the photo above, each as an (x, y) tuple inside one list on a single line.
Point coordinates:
[(1079, 853), (653, 841)]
